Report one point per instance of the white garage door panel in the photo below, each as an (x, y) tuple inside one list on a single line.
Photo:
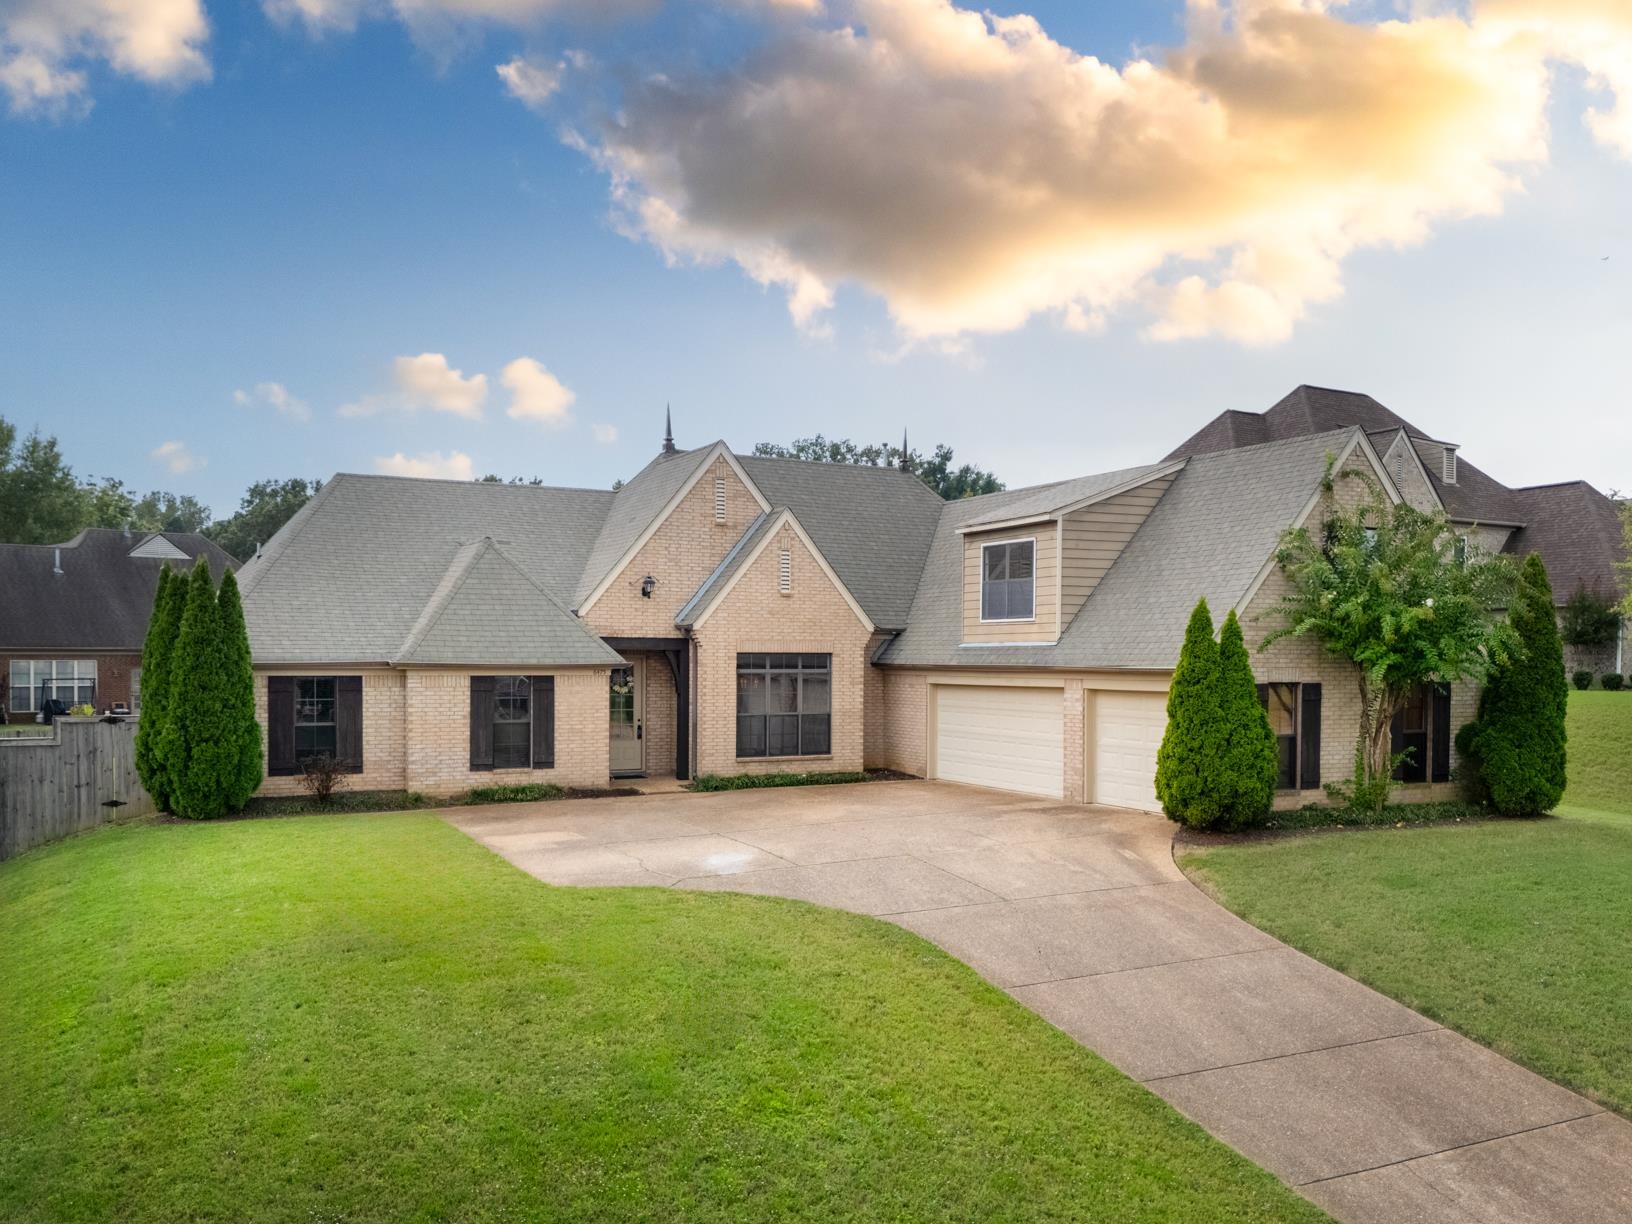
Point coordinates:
[(1128, 729), (1005, 738)]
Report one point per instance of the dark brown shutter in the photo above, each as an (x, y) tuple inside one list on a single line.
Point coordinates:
[(481, 722), (348, 722), (1263, 696), (1309, 738), (1396, 744), (280, 726), (1441, 750), (543, 721)]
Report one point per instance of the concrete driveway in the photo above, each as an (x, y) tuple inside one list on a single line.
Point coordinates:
[(1374, 1112)]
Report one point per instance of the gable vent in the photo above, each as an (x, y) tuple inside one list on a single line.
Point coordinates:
[(784, 572), (1448, 465), (719, 499), (1399, 466)]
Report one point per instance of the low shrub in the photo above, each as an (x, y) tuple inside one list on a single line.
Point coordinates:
[(746, 781), (340, 801), (1582, 679), (521, 792), (323, 778), (1315, 816), (1611, 681)]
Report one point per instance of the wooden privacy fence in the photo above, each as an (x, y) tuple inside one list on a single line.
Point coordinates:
[(84, 776)]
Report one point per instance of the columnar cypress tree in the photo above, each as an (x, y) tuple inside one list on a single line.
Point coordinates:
[(1193, 748), (158, 654), (199, 752), (1246, 777), (244, 731), (1520, 738)]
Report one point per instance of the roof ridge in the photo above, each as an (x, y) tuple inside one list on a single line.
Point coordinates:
[(463, 561), (487, 484), (285, 535)]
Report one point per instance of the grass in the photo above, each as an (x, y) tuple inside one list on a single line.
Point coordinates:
[(29, 730), (1512, 932), (371, 1017)]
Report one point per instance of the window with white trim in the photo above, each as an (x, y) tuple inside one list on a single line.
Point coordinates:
[(70, 681), (1008, 580)]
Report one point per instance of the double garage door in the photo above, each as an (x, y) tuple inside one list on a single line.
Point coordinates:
[(1014, 739)]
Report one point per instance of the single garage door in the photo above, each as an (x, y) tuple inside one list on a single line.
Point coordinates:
[(1128, 729), (1006, 738)]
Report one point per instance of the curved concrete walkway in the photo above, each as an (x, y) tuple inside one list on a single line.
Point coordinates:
[(1369, 1109)]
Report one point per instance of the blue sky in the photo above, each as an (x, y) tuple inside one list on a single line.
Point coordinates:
[(326, 203)]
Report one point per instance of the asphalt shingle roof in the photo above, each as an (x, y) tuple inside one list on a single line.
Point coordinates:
[(631, 511), (102, 599), (1577, 530), (1046, 499)]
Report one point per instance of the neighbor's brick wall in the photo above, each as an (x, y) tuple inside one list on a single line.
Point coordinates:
[(437, 707), (682, 553), (112, 676), (756, 616), (383, 731), (1303, 660), (906, 722)]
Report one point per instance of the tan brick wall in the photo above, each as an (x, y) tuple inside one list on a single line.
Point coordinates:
[(681, 554), (383, 730), (437, 705), (906, 722), (874, 752), (1075, 783), (755, 616), (1408, 476)]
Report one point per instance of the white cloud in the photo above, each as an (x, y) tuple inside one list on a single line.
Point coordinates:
[(433, 464), (176, 457), (536, 394), (604, 434), (275, 396), (973, 172), (426, 381), (530, 83), (45, 46)]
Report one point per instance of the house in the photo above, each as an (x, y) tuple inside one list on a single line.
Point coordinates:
[(724, 613), (73, 616), (1576, 529)]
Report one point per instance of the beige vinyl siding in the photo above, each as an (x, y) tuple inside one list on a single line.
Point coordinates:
[(1045, 626), (1095, 536)]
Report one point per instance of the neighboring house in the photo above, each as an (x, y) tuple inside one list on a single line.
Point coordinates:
[(1575, 528), (73, 616), (724, 614)]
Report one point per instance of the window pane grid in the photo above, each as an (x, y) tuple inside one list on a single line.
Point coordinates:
[(70, 681), (783, 704), (315, 731), (1008, 586), (512, 723)]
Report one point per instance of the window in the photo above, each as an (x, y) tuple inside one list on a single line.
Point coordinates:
[(512, 723), (1459, 551), (136, 689), (70, 681), (1294, 717), (316, 732), (784, 705), (1008, 580), (1423, 729)]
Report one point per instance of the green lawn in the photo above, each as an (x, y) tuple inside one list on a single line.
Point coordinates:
[(371, 1017), (1513, 932)]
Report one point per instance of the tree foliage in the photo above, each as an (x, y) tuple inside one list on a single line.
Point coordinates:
[(1248, 771), (158, 653), (265, 507), (1519, 739), (1378, 585), (1590, 618), (243, 732), (1194, 744), (199, 750), (936, 470)]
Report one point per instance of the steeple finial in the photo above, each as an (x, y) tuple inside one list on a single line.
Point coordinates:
[(668, 432), (905, 463)]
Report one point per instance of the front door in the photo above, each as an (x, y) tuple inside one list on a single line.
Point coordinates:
[(627, 714)]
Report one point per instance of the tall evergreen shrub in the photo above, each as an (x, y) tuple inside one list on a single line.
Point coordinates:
[(244, 732), (1193, 747), (158, 651), (200, 753), (1246, 778), (1519, 743)]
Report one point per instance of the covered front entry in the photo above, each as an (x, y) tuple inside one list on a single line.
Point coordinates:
[(649, 708), (627, 718), (1124, 734), (1001, 737)]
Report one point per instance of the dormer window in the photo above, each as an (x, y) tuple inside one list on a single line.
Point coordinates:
[(1448, 465), (1008, 581)]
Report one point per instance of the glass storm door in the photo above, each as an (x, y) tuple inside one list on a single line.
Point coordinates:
[(628, 733)]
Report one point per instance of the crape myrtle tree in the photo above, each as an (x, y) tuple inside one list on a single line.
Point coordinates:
[(158, 652), (1379, 585), (1519, 740)]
